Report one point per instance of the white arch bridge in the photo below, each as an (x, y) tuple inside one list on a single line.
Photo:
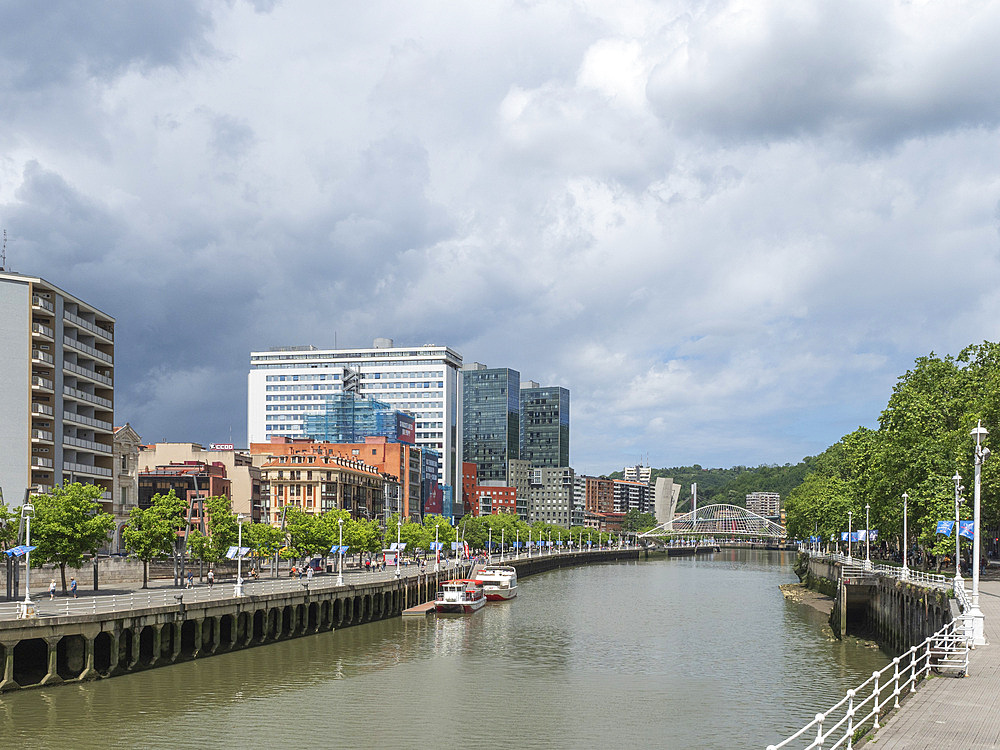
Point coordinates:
[(718, 522)]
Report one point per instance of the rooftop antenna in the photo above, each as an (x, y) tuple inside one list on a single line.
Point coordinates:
[(3, 252)]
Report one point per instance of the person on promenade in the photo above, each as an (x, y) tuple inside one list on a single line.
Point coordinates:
[(211, 577), (190, 583), (309, 573), (72, 587), (52, 589)]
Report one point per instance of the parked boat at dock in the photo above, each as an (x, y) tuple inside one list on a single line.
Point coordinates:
[(461, 596), (499, 582)]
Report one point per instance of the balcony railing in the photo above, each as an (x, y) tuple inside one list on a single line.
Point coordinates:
[(89, 445), (43, 303), (39, 382), (43, 409), (43, 329), (43, 435), (83, 323), (89, 350), (93, 375), (84, 396), (42, 357), (89, 421), (41, 463), (96, 471)]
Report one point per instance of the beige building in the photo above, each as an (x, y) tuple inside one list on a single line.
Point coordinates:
[(125, 492), (244, 477), (765, 504), (319, 480)]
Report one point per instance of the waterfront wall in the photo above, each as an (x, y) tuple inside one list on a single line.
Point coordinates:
[(73, 648)]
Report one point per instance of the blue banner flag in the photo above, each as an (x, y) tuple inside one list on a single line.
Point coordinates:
[(945, 527), (436, 546), (966, 530), (843, 536), (559, 544), (456, 545), (19, 550)]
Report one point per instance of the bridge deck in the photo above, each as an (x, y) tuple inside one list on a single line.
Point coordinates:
[(955, 714)]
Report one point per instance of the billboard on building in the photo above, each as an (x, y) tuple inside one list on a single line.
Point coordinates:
[(406, 428)]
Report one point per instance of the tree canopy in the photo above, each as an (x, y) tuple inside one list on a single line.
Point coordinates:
[(69, 524)]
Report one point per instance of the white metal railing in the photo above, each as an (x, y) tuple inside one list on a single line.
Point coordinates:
[(43, 409), (43, 329), (92, 374), (42, 435), (90, 421), (42, 463), (42, 382), (84, 323), (80, 346), (42, 356), (88, 444), (84, 396), (97, 471), (861, 709), (43, 303)]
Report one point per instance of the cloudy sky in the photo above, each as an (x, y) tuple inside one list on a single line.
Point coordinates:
[(726, 227)]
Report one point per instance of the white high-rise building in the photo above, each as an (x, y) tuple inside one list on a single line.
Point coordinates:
[(767, 504), (638, 473), (57, 356), (287, 383)]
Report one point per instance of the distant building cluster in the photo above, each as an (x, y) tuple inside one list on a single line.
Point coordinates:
[(375, 431), (767, 504)]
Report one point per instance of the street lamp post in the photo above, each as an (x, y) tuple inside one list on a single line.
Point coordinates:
[(437, 549), (489, 544), (982, 453), (340, 552), (529, 543), (849, 522), (517, 542), (501, 543), (906, 570), (26, 609), (550, 541), (399, 532), (959, 583), (868, 534), (238, 589)]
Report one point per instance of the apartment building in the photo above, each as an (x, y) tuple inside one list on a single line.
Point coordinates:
[(56, 389), (544, 425), (765, 504), (632, 496)]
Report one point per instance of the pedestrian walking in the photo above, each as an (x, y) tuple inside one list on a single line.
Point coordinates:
[(190, 583), (309, 573), (211, 577), (72, 587), (52, 589)]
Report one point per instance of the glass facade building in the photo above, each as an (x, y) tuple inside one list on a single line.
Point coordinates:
[(349, 418), (545, 426), (490, 420)]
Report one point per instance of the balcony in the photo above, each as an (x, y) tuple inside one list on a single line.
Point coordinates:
[(42, 436), (37, 462), (87, 325), (84, 372), (88, 397), (89, 445), (43, 409), (70, 416), (42, 384), (88, 350), (94, 471), (39, 356), (38, 330), (42, 304)]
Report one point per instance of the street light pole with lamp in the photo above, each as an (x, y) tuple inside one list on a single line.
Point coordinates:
[(906, 569), (868, 533), (850, 518), (437, 549), (959, 582), (340, 552), (399, 554), (982, 453), (238, 589), (26, 609)]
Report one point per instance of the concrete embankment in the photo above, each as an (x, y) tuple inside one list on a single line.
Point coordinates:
[(72, 648)]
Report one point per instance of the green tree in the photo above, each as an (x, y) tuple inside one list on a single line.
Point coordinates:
[(636, 521), (221, 531), (69, 524), (152, 532)]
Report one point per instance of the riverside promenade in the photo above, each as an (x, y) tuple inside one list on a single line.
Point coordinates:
[(954, 714)]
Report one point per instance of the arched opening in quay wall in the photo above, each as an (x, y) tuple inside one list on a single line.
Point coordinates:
[(103, 649), (71, 654), (31, 661)]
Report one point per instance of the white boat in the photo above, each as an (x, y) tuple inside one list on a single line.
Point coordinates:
[(499, 582), (462, 596)]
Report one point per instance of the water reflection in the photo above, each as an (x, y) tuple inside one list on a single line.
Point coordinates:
[(673, 653)]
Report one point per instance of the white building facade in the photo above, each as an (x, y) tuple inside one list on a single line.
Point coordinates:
[(57, 358), (767, 504), (285, 384)]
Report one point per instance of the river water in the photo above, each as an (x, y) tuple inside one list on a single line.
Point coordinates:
[(667, 653)]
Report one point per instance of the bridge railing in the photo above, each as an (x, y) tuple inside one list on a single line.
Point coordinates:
[(861, 709)]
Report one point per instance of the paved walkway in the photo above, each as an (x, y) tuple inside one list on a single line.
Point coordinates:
[(955, 714)]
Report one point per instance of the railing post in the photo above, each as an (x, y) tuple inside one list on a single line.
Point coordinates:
[(913, 669), (895, 683), (850, 719), (819, 731), (875, 694)]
